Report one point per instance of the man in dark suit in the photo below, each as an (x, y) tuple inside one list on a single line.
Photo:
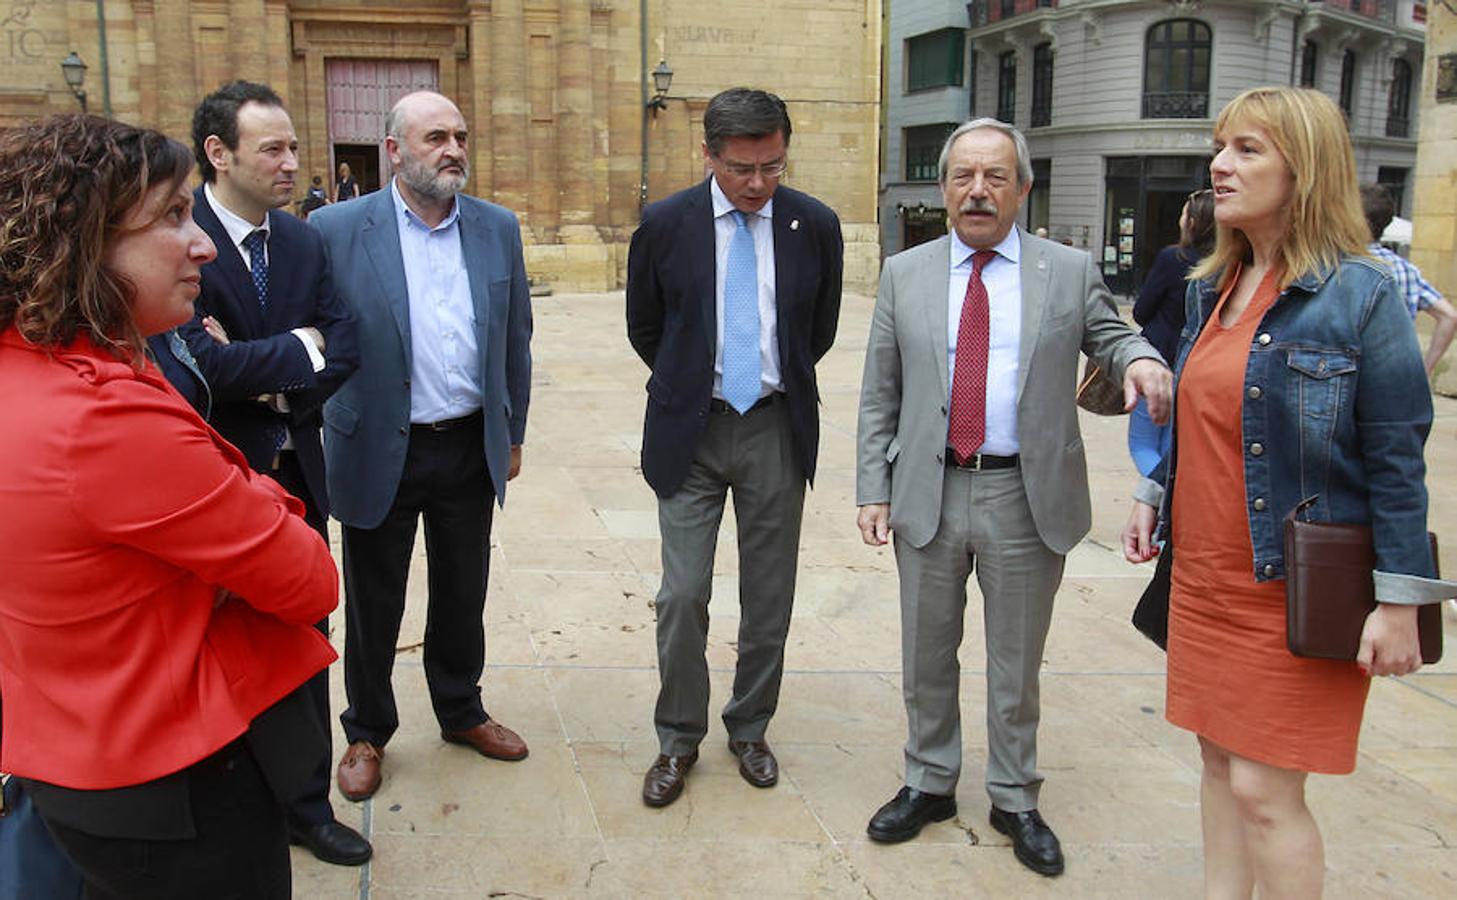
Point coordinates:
[(733, 295), (273, 341), (431, 425)]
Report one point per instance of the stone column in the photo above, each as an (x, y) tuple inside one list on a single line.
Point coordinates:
[(574, 144), (510, 180), (478, 113)]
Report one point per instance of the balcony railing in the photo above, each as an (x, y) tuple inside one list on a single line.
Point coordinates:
[(986, 12), (1381, 10), (1176, 105)]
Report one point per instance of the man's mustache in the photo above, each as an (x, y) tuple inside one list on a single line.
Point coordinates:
[(979, 206)]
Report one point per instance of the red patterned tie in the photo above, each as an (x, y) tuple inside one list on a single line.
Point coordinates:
[(968, 427)]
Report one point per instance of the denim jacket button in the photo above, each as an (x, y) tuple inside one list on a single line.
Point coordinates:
[(1254, 392), (1259, 504), (1256, 448), (1264, 339), (1269, 571)]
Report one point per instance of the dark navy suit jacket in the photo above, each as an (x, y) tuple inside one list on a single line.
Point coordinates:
[(672, 320), (262, 356)]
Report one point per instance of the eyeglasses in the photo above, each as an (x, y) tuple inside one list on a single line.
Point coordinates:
[(746, 170)]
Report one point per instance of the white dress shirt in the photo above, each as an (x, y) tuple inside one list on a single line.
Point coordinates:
[(761, 226), (445, 367), (1002, 276)]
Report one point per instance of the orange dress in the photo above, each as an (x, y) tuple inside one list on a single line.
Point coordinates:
[(1231, 678)]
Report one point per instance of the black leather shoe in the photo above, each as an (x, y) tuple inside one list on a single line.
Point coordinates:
[(333, 842), (1036, 846), (907, 813), (756, 762)]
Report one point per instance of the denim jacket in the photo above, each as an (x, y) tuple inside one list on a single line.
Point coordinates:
[(1336, 408)]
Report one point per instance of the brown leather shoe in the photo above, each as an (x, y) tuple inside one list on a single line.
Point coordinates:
[(358, 773), (664, 781), (756, 762), (490, 738)]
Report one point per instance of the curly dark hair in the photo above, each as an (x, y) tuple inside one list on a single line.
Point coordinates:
[(66, 184), (218, 114)]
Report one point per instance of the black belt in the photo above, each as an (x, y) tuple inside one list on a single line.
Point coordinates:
[(447, 424), (980, 462), (718, 406)]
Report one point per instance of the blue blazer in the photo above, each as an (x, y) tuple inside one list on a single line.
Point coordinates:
[(368, 420), (672, 320), (262, 356)]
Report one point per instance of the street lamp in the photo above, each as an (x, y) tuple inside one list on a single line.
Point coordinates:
[(74, 70), (662, 80)]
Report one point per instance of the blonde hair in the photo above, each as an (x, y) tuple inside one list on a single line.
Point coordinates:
[(1325, 218)]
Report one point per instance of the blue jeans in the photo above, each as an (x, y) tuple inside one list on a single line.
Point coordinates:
[(1147, 443)]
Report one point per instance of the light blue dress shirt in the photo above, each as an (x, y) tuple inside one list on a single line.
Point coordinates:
[(445, 371), (1003, 279), (761, 226)]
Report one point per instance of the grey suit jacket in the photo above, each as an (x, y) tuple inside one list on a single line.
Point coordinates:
[(904, 393), (367, 423)]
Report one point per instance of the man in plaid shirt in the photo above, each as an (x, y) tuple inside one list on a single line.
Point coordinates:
[(1419, 294)]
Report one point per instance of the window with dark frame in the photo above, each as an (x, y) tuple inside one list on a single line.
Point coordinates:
[(1393, 178), (1007, 86), (923, 149), (1348, 85), (1398, 100), (1176, 70), (1309, 56), (935, 59), (1042, 85)]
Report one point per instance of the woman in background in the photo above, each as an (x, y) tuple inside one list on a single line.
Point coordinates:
[(1299, 384), (157, 616), (345, 187), (1160, 310)]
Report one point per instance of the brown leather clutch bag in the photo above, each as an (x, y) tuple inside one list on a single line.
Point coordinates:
[(1329, 591)]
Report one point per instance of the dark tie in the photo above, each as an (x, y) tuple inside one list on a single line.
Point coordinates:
[(257, 243), (968, 427)]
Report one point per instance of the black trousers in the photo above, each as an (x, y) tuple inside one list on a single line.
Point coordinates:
[(240, 849), (446, 482), (311, 807)]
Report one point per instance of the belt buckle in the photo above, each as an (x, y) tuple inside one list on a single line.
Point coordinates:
[(974, 464)]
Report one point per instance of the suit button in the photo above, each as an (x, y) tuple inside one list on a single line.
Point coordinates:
[(943, 410), (1259, 504), (404, 429), (1269, 571), (1257, 448), (407, 383), (1254, 392), (938, 458)]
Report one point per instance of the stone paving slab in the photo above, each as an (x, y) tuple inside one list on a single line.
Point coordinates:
[(571, 665)]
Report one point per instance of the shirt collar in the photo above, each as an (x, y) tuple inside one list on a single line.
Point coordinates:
[(408, 217), (235, 225), (1009, 249), (722, 206)]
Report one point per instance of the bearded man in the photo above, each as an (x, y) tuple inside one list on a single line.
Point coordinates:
[(430, 425)]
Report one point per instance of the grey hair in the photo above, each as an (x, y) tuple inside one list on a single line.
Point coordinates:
[(1024, 156)]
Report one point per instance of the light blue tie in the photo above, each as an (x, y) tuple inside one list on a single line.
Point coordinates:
[(741, 381)]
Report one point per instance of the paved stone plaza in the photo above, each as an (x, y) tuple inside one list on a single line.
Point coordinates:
[(571, 666)]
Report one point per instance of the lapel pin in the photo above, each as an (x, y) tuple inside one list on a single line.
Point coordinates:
[(793, 224), (1041, 263)]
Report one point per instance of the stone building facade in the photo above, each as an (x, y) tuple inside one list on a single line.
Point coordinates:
[(1117, 99), (553, 91)]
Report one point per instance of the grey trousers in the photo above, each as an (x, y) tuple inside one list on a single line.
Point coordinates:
[(987, 525), (754, 455)]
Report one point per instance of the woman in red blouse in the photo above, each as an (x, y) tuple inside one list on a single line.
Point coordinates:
[(158, 600)]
